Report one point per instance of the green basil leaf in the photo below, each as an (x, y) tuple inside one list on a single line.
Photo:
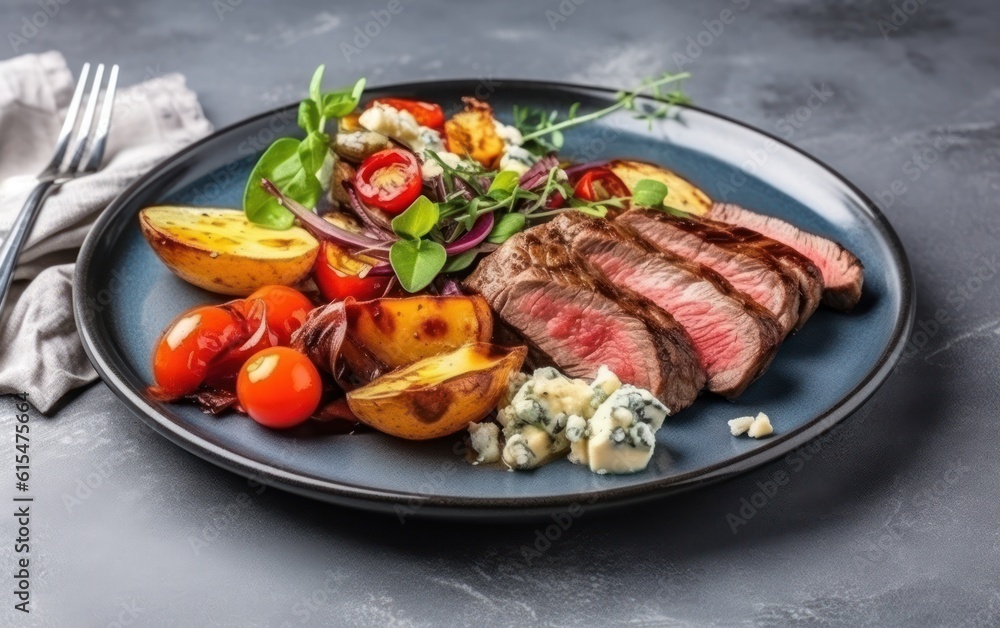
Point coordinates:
[(503, 185), (280, 163), (459, 262), (508, 225), (418, 219), (648, 193), (313, 151), (316, 84), (416, 262), (309, 116)]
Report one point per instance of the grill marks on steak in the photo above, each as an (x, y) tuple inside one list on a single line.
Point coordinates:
[(734, 337), (566, 311), (749, 269), (843, 272)]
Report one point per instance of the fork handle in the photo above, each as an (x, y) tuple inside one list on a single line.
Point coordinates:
[(10, 250)]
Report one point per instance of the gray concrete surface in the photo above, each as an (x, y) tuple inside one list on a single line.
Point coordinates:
[(892, 521)]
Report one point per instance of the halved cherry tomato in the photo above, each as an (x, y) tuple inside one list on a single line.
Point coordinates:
[(600, 184), (338, 275), (189, 345), (389, 180), (286, 310), (425, 113), (279, 387)]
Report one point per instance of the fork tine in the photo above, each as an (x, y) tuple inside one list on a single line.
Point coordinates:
[(83, 134), (67, 128), (103, 123)]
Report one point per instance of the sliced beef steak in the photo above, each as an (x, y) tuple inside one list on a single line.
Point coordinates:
[(748, 268), (735, 338), (574, 319), (843, 272)]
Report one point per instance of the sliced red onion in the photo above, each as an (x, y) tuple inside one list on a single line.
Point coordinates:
[(578, 168), (325, 230), (382, 269), (450, 288), (465, 189), (478, 233), (377, 224), (539, 172)]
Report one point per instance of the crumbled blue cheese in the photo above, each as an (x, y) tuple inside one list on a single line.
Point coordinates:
[(484, 438), (509, 134), (432, 168), (621, 435), (754, 427), (514, 158), (399, 125), (740, 425), (536, 419), (760, 427)]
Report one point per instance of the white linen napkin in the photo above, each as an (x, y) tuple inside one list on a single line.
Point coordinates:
[(40, 351)]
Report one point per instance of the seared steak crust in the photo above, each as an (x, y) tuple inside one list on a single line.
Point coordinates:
[(571, 316), (735, 338), (747, 267), (843, 272)]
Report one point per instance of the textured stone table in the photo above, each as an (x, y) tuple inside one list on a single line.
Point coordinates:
[(891, 521)]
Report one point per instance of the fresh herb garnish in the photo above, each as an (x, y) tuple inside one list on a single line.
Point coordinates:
[(417, 261), (299, 167), (652, 194), (542, 131)]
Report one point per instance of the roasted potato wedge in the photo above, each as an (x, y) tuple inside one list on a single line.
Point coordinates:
[(349, 123), (221, 251), (472, 134), (681, 193), (398, 332), (440, 395)]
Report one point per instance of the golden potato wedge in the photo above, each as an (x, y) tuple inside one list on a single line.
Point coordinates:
[(398, 332), (220, 250), (440, 395), (681, 193), (472, 134), (350, 123)]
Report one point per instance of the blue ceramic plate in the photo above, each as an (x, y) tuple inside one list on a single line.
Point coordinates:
[(124, 297)]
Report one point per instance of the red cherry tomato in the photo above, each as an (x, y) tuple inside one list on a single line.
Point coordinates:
[(189, 345), (600, 184), (389, 180), (286, 310), (338, 276), (425, 113), (279, 387)]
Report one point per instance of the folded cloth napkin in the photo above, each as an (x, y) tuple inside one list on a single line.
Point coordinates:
[(40, 351)]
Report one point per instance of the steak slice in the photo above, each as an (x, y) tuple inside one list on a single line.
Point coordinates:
[(734, 337), (747, 267), (843, 272), (571, 317)]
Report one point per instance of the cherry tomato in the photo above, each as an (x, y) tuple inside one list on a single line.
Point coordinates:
[(279, 387), (600, 184), (286, 310), (389, 180), (189, 345), (425, 113), (337, 275)]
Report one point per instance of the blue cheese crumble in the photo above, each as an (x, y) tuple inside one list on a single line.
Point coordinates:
[(621, 435)]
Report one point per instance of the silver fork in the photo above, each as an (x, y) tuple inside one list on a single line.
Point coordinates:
[(56, 173)]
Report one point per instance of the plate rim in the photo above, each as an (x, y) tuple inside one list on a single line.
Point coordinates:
[(431, 505)]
